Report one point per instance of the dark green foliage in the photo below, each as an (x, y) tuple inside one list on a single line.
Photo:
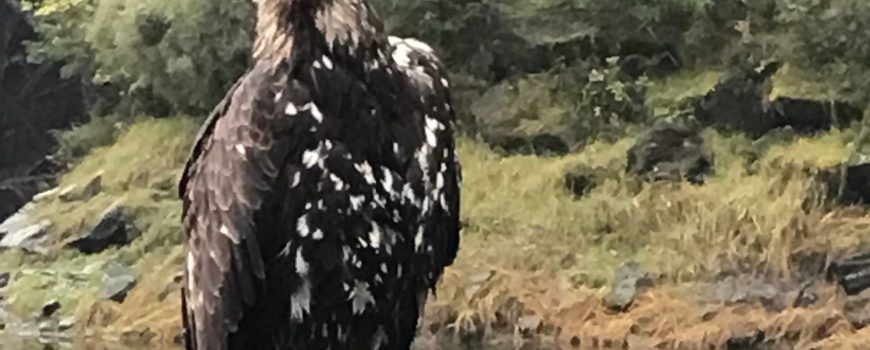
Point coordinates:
[(162, 56)]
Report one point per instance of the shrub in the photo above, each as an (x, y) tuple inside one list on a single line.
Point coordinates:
[(162, 55)]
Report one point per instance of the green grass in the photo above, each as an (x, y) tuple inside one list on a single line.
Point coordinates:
[(521, 221), (139, 171)]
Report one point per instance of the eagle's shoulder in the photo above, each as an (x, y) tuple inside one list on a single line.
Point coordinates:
[(421, 64)]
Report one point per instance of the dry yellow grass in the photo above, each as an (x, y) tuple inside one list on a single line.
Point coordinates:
[(532, 249)]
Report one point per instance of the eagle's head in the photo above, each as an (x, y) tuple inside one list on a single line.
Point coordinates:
[(283, 24)]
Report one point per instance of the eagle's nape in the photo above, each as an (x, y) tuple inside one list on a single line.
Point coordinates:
[(321, 199)]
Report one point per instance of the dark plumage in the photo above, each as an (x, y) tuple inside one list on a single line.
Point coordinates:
[(321, 199)]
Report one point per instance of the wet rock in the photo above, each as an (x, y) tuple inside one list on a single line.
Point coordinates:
[(582, 179), (846, 184), (852, 273), (628, 282), (857, 310), (50, 308), (18, 232), (754, 340), (118, 282), (739, 101), (670, 152), (810, 116), (549, 144), (115, 228)]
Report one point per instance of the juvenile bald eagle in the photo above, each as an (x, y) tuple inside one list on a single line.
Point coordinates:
[(321, 198)]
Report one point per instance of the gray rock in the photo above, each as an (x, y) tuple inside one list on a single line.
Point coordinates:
[(44, 195), (68, 193), (4, 279), (628, 282), (115, 228), (119, 280), (93, 187), (774, 295), (857, 309), (66, 324), (529, 323), (19, 232)]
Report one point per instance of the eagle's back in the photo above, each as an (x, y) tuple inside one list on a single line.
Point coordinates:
[(321, 204)]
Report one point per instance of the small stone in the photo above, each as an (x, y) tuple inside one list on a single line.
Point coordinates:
[(575, 341), (93, 187), (50, 308), (67, 194), (807, 296), (119, 281), (529, 323), (66, 324), (857, 309), (629, 280)]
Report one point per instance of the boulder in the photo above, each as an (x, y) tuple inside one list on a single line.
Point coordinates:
[(845, 184), (115, 228), (670, 152), (808, 117), (739, 101)]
